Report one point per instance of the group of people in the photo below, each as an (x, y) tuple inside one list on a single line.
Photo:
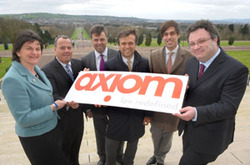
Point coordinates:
[(51, 129)]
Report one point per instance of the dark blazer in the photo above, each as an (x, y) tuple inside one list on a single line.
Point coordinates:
[(216, 96), (71, 120), (164, 121), (60, 80), (126, 124)]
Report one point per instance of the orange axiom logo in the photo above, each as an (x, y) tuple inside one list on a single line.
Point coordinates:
[(140, 85)]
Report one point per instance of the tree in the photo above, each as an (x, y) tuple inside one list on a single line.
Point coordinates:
[(140, 39), (148, 39), (231, 40), (231, 27), (159, 39), (245, 30)]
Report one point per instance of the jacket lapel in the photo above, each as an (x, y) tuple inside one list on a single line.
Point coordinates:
[(31, 78), (211, 70), (162, 61)]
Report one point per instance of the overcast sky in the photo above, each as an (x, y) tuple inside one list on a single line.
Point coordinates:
[(149, 9)]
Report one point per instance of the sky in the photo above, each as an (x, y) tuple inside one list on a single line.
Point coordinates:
[(148, 9)]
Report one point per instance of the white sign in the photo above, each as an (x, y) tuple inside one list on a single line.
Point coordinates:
[(144, 91)]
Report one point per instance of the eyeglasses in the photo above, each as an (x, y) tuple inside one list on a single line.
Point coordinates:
[(199, 42)]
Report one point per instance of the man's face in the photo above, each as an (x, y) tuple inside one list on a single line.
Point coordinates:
[(202, 46), (99, 42), (170, 37), (127, 46), (63, 50)]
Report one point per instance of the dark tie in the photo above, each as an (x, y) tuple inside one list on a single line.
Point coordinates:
[(169, 62), (69, 72), (129, 66), (102, 63), (202, 67)]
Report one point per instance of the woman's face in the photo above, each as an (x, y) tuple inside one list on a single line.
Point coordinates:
[(30, 53)]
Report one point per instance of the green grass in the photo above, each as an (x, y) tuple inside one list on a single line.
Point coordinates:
[(243, 56), (184, 43), (6, 61), (85, 34), (2, 47), (75, 35)]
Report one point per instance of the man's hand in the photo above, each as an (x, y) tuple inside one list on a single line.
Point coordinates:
[(186, 113), (146, 120)]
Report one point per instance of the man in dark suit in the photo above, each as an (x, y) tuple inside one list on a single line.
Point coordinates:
[(61, 72), (93, 62), (126, 124), (217, 83), (164, 125)]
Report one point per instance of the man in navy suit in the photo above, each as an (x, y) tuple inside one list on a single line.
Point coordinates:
[(217, 83), (71, 117), (126, 124), (99, 40)]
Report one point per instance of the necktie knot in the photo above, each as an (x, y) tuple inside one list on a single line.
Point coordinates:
[(201, 71), (69, 72), (102, 63)]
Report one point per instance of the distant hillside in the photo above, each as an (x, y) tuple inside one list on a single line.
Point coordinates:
[(48, 18)]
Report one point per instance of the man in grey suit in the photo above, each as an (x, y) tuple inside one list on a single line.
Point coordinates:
[(95, 62), (217, 83), (171, 59)]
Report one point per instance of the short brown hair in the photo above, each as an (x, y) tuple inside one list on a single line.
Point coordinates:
[(169, 24), (126, 33), (208, 26), (61, 36), (98, 29), (23, 37)]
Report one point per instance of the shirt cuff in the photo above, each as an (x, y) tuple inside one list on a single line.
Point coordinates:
[(195, 117)]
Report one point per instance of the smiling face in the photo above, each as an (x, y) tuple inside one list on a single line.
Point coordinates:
[(127, 46), (170, 37), (202, 46), (63, 50), (99, 42), (30, 53)]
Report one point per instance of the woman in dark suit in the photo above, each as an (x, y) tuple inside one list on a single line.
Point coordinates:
[(29, 96)]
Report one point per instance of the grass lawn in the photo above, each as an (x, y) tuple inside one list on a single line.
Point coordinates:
[(184, 43), (85, 34), (243, 56), (6, 61)]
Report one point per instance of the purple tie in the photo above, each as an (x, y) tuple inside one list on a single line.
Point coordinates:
[(202, 67), (102, 63)]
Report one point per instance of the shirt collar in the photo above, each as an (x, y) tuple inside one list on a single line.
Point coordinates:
[(207, 64), (174, 51), (105, 53), (64, 65)]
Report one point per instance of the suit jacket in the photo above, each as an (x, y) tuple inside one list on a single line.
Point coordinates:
[(164, 121), (29, 100), (126, 124), (216, 96), (57, 74), (89, 61)]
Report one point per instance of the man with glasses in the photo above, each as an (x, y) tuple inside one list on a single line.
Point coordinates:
[(217, 83), (170, 59)]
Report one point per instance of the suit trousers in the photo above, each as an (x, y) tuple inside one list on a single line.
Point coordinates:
[(162, 142), (44, 149), (192, 157), (111, 151), (71, 129), (100, 124)]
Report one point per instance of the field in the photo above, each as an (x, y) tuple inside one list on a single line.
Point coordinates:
[(184, 43), (6, 61)]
